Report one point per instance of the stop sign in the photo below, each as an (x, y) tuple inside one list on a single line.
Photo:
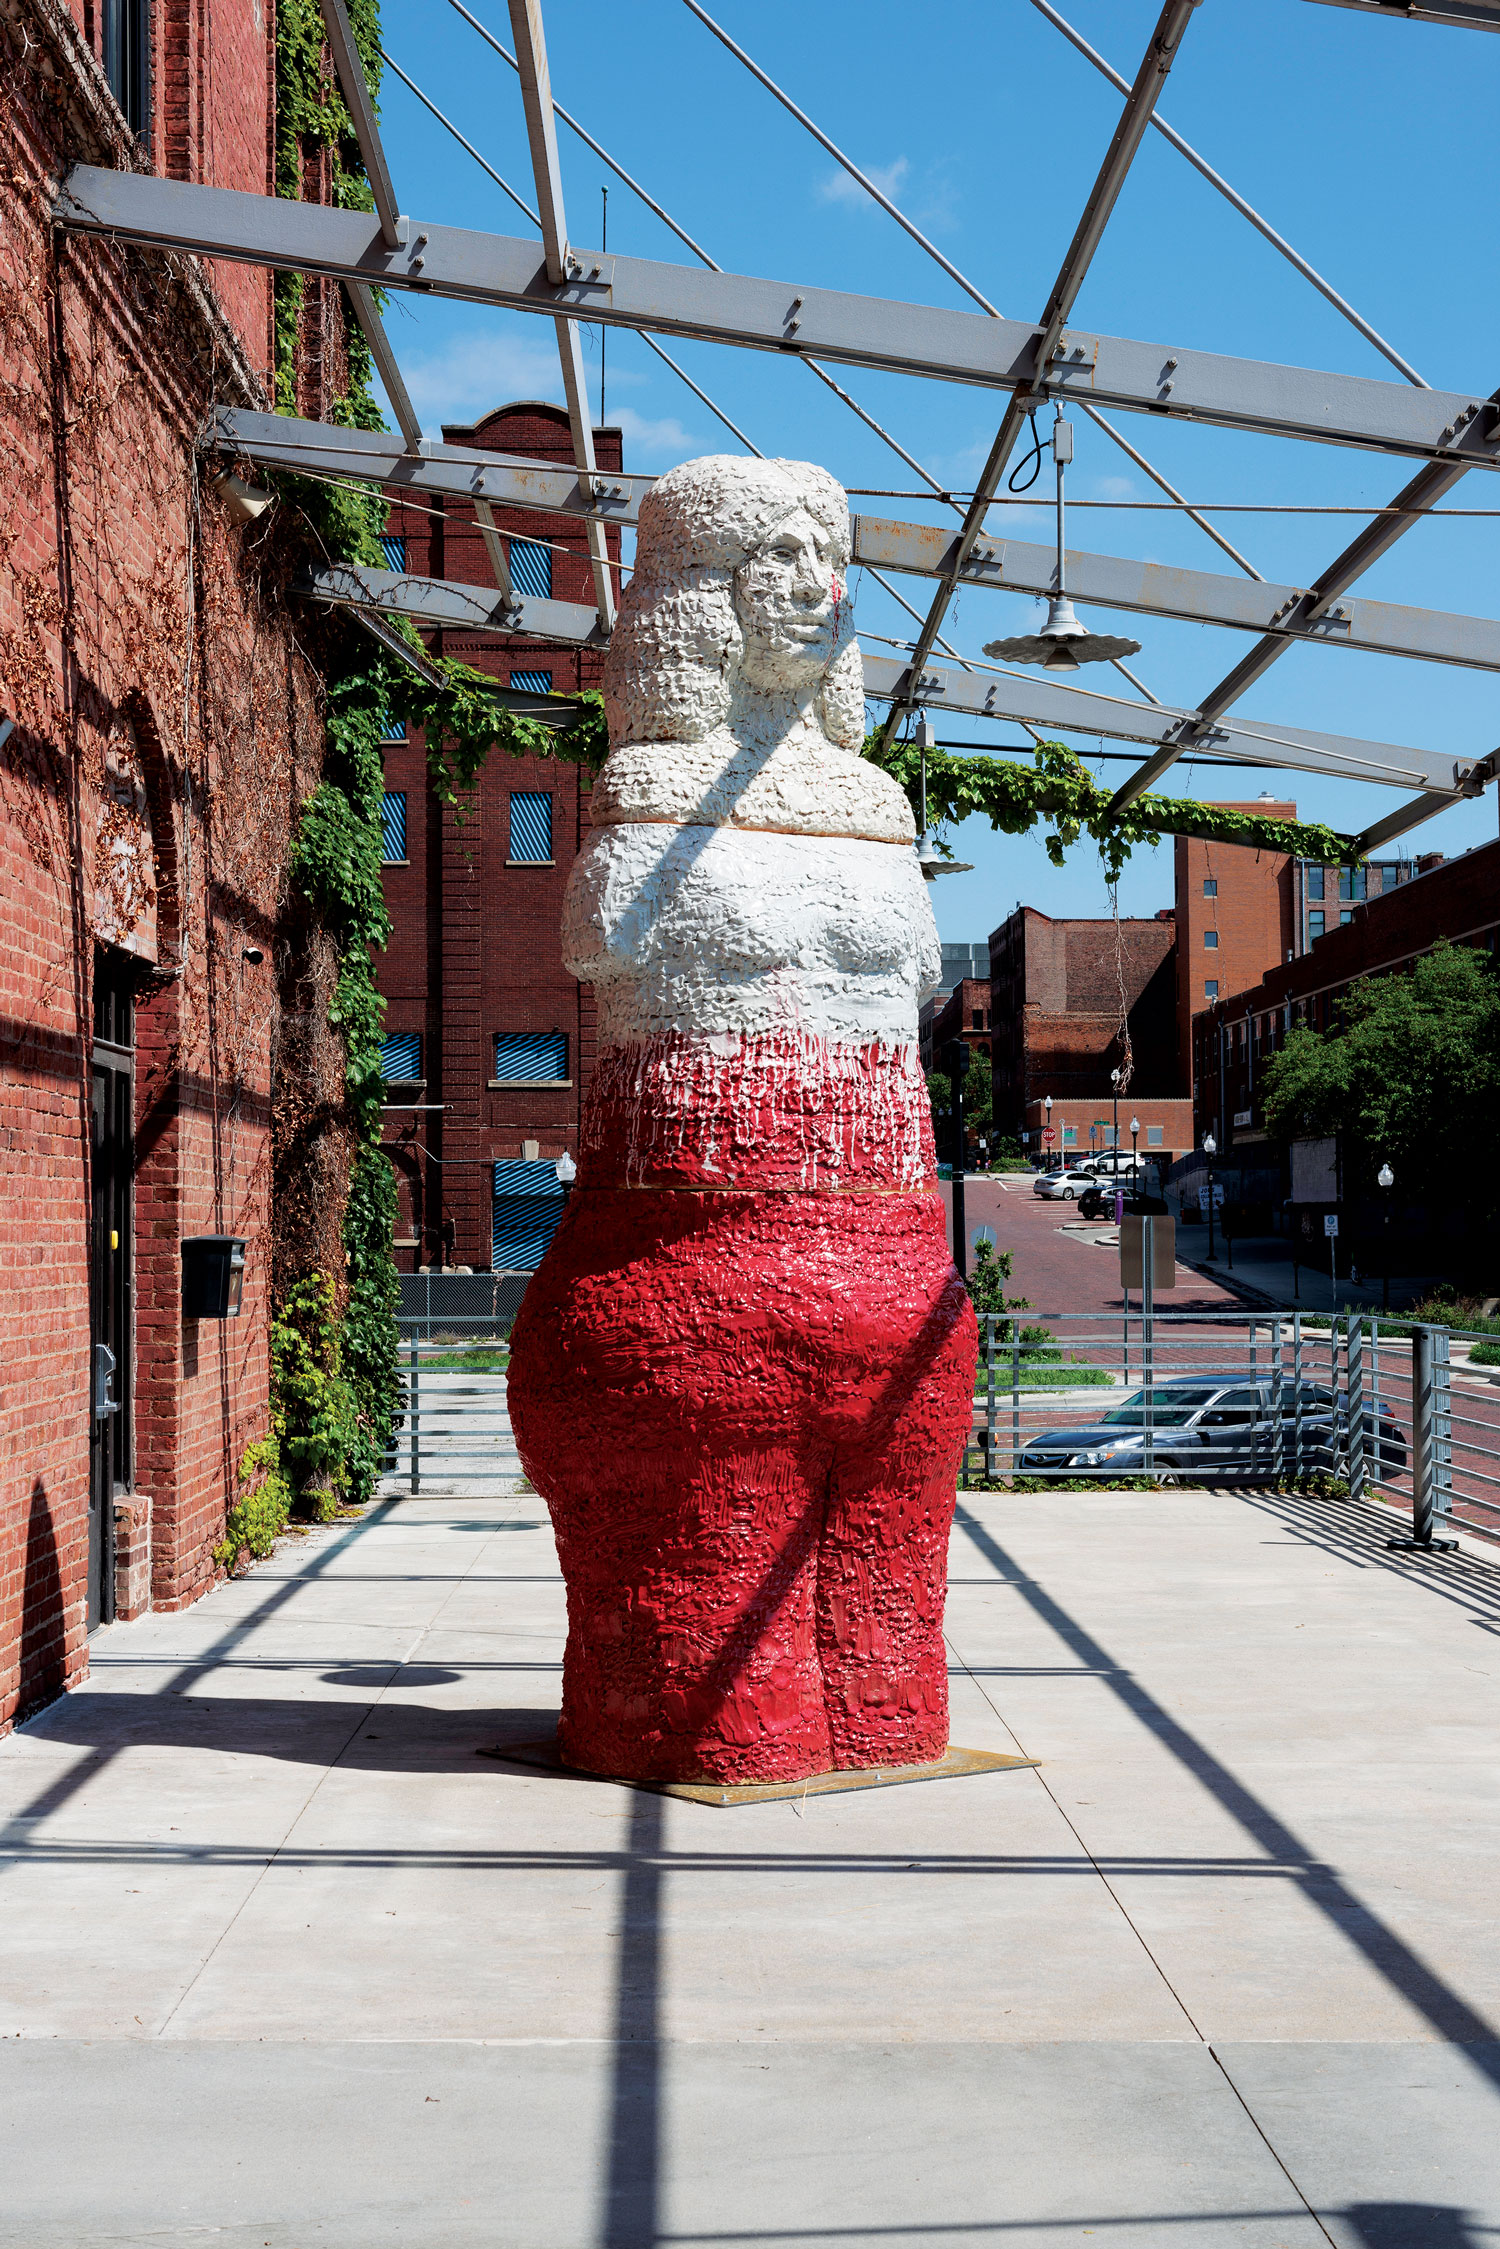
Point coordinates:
[(1048, 1136)]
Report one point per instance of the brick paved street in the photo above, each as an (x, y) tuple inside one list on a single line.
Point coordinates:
[(1061, 1270)]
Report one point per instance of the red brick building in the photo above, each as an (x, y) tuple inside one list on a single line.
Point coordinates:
[(489, 1039), (159, 730), (1058, 993), (1235, 915), (1457, 899)]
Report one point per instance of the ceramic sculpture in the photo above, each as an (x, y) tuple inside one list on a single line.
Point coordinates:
[(742, 1375)]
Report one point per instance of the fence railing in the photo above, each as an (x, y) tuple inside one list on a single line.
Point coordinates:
[(451, 1425), (1236, 1397), (432, 1304), (1240, 1397)]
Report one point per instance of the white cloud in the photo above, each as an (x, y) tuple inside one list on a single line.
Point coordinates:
[(662, 443), (840, 187), (477, 373), (1113, 488)]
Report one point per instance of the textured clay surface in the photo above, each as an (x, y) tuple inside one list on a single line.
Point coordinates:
[(742, 1376)]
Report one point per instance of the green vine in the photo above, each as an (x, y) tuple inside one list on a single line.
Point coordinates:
[(313, 1439), (1060, 789)]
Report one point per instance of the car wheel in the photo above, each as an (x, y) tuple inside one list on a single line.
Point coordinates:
[(1067, 1194)]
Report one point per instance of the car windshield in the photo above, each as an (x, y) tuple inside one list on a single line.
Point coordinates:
[(1170, 1408)]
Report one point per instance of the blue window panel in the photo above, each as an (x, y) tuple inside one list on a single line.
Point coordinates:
[(531, 568), (393, 826), (532, 683), (531, 826), (392, 729), (395, 552), (536, 1056), (528, 1204), (401, 1055)]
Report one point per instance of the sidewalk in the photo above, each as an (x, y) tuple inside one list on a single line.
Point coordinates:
[(287, 1963)]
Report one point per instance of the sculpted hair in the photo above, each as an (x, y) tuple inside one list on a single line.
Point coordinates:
[(673, 662)]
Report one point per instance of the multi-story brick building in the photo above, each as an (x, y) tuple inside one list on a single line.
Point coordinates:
[(160, 729), (959, 961), (490, 1040), (1457, 899), (1063, 994)]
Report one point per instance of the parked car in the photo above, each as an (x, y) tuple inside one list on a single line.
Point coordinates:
[(1062, 1186), (1098, 1198), (1066, 1186), (1226, 1431)]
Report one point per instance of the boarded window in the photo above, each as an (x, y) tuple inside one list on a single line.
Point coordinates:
[(531, 827), (1153, 1136), (531, 568), (395, 551), (533, 1057), (528, 1205), (1211, 988), (1210, 940), (401, 1055), (392, 729), (532, 683), (393, 826)]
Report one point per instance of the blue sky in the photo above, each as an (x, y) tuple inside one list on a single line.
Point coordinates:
[(1368, 143)]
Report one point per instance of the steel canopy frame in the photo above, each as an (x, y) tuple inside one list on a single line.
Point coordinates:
[(929, 341), (1052, 347), (1461, 15), (541, 132), (916, 549), (444, 603)]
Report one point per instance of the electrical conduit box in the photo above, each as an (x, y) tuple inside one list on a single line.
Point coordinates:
[(213, 1276)]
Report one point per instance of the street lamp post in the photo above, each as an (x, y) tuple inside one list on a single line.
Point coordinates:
[(1135, 1141), (1047, 1107), (1385, 1178), (1114, 1079), (1210, 1149)]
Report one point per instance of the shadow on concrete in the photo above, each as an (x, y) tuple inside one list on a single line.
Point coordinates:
[(1448, 2013)]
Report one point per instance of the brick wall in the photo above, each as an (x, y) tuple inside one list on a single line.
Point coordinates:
[(477, 945), (1055, 995), (1236, 916), (165, 733)]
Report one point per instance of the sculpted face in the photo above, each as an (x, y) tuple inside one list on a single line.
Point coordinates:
[(787, 597)]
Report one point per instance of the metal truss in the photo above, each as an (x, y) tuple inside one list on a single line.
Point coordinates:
[(1201, 597), (443, 603), (916, 549), (561, 262), (923, 340), (1035, 363), (1463, 15)]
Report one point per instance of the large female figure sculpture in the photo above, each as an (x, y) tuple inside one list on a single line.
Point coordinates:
[(742, 1376)]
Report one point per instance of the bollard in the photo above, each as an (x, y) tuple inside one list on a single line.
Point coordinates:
[(1354, 1361), (1431, 1453), (989, 1397), (412, 1406), (1148, 1352)]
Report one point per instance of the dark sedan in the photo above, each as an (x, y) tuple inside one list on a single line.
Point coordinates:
[(1222, 1430)]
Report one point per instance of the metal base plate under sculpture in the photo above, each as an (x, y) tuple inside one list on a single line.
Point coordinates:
[(542, 1755)]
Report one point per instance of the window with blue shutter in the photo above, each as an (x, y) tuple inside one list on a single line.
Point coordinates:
[(393, 827), (401, 1055), (395, 552), (531, 826), (528, 1204), (531, 568), (392, 729), (532, 683), (531, 1057)]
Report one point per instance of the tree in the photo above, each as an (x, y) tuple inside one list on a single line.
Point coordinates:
[(1410, 1075), (978, 1095)]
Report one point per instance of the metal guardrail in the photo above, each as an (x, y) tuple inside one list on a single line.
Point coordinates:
[(1227, 1398), (1240, 1398), (459, 1303)]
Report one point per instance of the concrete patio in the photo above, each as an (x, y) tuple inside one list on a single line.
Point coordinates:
[(287, 1963)]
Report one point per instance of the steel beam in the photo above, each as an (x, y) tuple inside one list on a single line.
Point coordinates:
[(454, 471), (1201, 597), (442, 603), (1419, 809), (356, 92), (541, 131), (449, 607), (614, 291), (1462, 15), (1426, 488), (1076, 710), (1051, 339)]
